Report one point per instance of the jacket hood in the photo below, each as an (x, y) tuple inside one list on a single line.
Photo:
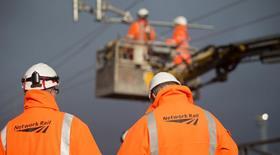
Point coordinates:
[(39, 98), (172, 92)]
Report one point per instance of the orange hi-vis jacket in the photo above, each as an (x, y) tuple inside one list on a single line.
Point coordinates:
[(43, 130), (180, 34), (181, 38), (173, 124), (140, 30)]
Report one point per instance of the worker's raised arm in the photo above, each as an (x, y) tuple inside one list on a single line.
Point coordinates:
[(153, 34), (132, 31), (136, 139), (225, 143)]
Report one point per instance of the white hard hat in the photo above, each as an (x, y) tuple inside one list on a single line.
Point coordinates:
[(180, 20), (39, 76), (160, 78), (143, 12)]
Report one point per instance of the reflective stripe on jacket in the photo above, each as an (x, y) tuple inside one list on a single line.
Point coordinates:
[(174, 125), (43, 129)]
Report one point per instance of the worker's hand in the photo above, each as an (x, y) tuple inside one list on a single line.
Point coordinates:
[(127, 18), (148, 29)]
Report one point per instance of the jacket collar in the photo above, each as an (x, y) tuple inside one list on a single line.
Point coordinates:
[(180, 27), (171, 94), (40, 99)]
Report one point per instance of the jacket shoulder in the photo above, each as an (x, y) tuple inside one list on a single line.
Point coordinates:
[(77, 122), (140, 127), (14, 120), (134, 25)]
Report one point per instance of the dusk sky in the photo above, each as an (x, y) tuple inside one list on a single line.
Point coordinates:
[(33, 31)]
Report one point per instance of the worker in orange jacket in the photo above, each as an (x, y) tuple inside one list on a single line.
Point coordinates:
[(180, 39), (42, 129), (141, 30), (173, 124)]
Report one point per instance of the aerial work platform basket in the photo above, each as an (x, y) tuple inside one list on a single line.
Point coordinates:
[(122, 72)]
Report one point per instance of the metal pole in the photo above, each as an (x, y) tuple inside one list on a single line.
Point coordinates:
[(262, 123), (263, 130)]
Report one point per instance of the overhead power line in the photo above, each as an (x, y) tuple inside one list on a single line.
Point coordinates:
[(62, 53), (80, 83), (236, 27), (13, 98), (71, 47), (89, 38), (208, 14), (86, 40), (133, 4), (84, 71), (218, 10), (97, 33)]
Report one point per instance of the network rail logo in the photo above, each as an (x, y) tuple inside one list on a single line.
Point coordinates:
[(36, 127), (191, 119)]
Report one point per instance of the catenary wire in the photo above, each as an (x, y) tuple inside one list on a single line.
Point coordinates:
[(86, 40), (236, 27), (208, 14), (92, 37)]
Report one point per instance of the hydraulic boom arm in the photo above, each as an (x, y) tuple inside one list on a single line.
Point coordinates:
[(224, 59)]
